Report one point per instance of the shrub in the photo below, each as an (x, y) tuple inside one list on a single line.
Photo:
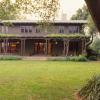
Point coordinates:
[(93, 58), (92, 54), (91, 90), (96, 45), (77, 58), (10, 58), (80, 58), (57, 59)]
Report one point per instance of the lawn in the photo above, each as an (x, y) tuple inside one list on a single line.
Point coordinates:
[(43, 80)]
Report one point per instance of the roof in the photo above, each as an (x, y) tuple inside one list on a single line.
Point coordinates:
[(36, 21)]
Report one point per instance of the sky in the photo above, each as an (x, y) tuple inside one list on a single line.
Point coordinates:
[(70, 6)]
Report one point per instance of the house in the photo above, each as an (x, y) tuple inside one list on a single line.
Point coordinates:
[(29, 38)]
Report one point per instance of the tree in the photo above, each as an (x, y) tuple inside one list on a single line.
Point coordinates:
[(46, 9), (81, 14), (7, 10)]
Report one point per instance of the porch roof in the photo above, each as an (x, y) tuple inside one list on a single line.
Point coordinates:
[(75, 35)]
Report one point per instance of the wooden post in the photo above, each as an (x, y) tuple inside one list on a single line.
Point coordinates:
[(5, 46), (22, 47), (82, 46), (46, 47), (67, 47), (49, 47), (64, 51)]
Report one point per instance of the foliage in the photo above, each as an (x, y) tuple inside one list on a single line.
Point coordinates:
[(91, 91), (81, 14), (10, 58), (92, 58), (75, 35), (8, 35), (79, 58), (91, 54), (96, 45), (45, 9), (92, 28), (8, 10), (70, 58)]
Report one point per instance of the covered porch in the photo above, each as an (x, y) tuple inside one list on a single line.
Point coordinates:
[(42, 46)]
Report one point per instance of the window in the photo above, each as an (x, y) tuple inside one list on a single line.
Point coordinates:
[(26, 29), (3, 30), (61, 29), (22, 30), (73, 29), (37, 30)]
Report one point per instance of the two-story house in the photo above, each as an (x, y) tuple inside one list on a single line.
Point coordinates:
[(29, 38)]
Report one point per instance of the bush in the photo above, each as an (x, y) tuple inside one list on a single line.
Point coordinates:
[(80, 58), (10, 58), (92, 54), (96, 45), (57, 59), (91, 90), (77, 58), (93, 58)]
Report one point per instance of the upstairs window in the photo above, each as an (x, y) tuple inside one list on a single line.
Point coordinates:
[(73, 29), (26, 29), (61, 29), (38, 30)]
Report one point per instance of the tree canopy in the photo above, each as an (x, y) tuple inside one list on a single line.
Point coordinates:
[(8, 10), (45, 9), (81, 14)]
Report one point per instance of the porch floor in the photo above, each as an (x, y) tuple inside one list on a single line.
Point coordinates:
[(43, 58)]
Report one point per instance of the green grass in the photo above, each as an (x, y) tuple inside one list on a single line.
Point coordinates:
[(43, 80)]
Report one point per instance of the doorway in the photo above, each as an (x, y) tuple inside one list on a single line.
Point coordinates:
[(39, 48)]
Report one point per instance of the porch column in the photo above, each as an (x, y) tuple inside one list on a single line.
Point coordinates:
[(0, 46), (67, 47), (49, 47), (64, 51), (46, 47), (5, 46), (22, 47)]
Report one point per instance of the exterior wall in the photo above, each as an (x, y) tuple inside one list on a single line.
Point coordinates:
[(54, 29), (28, 45), (0, 28)]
